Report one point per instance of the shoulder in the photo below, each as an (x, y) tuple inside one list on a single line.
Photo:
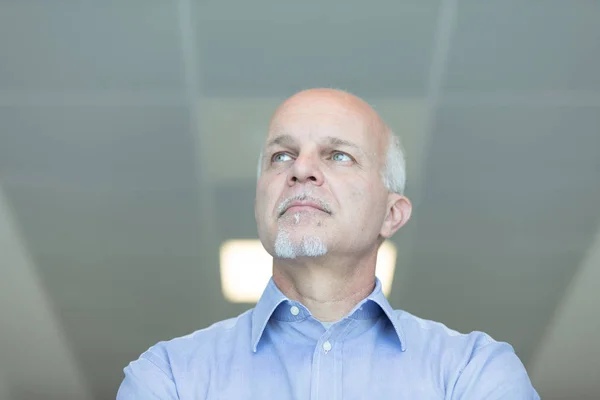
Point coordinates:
[(420, 331), (470, 363), (164, 368), (202, 343)]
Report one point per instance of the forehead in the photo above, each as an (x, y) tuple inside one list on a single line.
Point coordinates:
[(321, 119)]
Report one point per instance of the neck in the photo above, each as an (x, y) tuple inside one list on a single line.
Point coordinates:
[(330, 289)]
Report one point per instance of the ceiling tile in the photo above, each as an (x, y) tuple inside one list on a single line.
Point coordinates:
[(73, 45), (97, 148), (521, 46), (379, 49)]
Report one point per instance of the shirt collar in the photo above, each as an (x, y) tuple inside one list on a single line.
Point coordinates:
[(272, 298)]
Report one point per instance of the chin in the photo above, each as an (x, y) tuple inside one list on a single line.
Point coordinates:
[(297, 244)]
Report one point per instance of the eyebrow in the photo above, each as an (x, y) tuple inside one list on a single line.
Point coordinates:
[(288, 140), (281, 140), (334, 141)]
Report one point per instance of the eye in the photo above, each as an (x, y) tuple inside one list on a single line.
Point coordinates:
[(280, 157), (340, 157)]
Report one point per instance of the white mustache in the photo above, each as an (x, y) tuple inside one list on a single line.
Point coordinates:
[(302, 197)]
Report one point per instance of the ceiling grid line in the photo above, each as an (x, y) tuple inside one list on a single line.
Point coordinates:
[(445, 27), (193, 89)]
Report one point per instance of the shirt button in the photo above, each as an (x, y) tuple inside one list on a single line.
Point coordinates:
[(327, 346), (295, 310)]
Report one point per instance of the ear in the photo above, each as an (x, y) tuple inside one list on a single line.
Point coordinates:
[(399, 210)]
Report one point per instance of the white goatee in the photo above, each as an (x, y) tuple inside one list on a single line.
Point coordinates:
[(308, 246)]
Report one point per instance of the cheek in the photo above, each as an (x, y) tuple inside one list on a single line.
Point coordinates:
[(363, 200), (262, 196), (266, 197), (357, 200)]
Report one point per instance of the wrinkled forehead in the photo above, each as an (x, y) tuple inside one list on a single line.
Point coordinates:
[(316, 118)]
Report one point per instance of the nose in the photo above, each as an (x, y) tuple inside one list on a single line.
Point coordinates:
[(306, 169)]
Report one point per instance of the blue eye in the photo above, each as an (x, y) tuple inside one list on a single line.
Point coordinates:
[(281, 157), (341, 157)]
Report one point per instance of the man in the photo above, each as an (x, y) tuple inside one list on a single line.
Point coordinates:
[(329, 192)]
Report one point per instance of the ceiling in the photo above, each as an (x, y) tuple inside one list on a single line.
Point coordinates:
[(129, 133)]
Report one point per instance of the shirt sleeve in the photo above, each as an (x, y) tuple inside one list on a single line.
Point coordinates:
[(150, 378), (494, 372)]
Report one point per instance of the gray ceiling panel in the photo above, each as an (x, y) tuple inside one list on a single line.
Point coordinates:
[(514, 45), (380, 50), (97, 148), (71, 45)]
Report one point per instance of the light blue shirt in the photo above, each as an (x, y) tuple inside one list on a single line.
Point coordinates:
[(279, 351)]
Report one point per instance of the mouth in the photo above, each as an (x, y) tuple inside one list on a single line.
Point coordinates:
[(301, 208)]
